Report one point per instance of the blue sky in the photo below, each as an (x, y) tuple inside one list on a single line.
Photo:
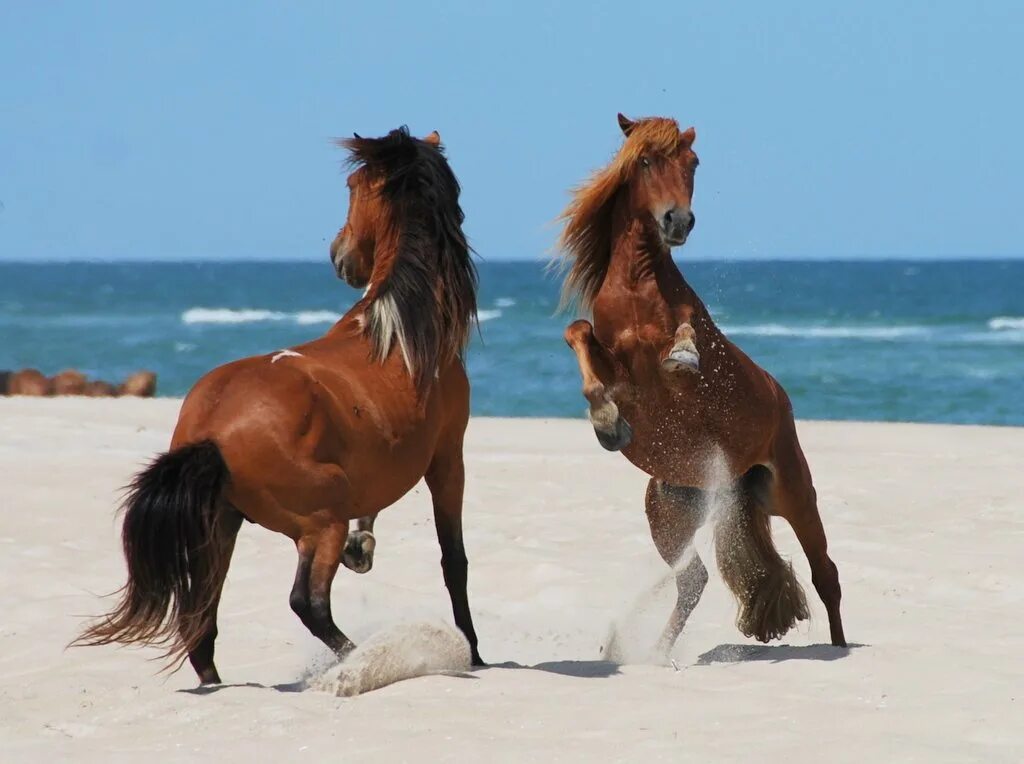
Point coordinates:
[(188, 130)]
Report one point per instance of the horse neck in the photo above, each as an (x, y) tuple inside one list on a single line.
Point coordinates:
[(639, 257), (385, 252), (385, 257)]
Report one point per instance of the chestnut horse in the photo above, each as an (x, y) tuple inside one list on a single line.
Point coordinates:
[(681, 401), (306, 439)]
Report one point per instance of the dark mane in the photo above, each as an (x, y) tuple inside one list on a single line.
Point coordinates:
[(426, 299)]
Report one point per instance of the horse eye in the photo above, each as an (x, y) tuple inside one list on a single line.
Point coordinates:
[(645, 162)]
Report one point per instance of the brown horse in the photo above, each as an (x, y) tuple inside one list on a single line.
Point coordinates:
[(304, 440), (681, 401)]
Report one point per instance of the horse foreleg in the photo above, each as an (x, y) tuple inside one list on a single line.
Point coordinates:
[(359, 547), (597, 368), (446, 478), (319, 558), (683, 355)]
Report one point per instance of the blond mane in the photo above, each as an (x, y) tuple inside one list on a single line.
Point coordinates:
[(585, 245)]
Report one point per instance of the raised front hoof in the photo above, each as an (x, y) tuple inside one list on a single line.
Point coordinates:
[(615, 438), (358, 554), (682, 358)]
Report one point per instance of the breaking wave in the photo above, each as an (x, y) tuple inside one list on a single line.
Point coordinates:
[(486, 315), (252, 315), (829, 332), (1003, 323), (302, 317), (1001, 330)]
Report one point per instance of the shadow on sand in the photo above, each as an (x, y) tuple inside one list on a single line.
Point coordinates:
[(774, 653), (580, 669), (603, 669), (209, 689), (300, 686)]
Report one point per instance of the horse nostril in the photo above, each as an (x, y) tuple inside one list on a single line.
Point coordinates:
[(692, 222), (668, 219)]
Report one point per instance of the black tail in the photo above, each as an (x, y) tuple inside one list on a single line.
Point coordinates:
[(171, 548)]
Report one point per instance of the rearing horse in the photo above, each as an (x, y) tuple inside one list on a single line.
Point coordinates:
[(304, 440), (681, 401)]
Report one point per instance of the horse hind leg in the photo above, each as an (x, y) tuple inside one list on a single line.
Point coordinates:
[(310, 599), (201, 656), (360, 545), (770, 598), (674, 515), (824, 573), (796, 500)]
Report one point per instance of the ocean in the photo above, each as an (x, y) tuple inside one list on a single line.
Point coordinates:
[(888, 340)]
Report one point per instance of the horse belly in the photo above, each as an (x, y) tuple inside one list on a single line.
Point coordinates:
[(686, 443)]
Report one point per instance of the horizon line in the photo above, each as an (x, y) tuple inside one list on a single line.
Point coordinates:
[(525, 261)]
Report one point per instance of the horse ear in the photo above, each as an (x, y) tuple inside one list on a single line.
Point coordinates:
[(689, 136), (434, 139), (626, 124)]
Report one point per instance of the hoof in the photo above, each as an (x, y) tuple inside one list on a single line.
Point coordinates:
[(613, 432), (358, 555), (343, 649), (683, 357), (209, 677), (618, 439)]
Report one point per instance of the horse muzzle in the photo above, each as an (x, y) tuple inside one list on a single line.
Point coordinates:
[(350, 274), (343, 267), (676, 225)]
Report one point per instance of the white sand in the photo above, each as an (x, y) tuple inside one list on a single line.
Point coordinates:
[(926, 524)]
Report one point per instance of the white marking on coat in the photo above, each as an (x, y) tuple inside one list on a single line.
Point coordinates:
[(285, 354)]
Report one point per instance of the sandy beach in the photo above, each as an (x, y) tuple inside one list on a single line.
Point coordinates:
[(924, 523)]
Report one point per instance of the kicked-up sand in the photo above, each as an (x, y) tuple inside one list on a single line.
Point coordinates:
[(926, 524)]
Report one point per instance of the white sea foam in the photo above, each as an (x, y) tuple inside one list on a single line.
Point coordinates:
[(487, 315), (252, 315), (316, 317), (829, 332), (504, 302), (229, 316), (301, 317), (1003, 323)]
